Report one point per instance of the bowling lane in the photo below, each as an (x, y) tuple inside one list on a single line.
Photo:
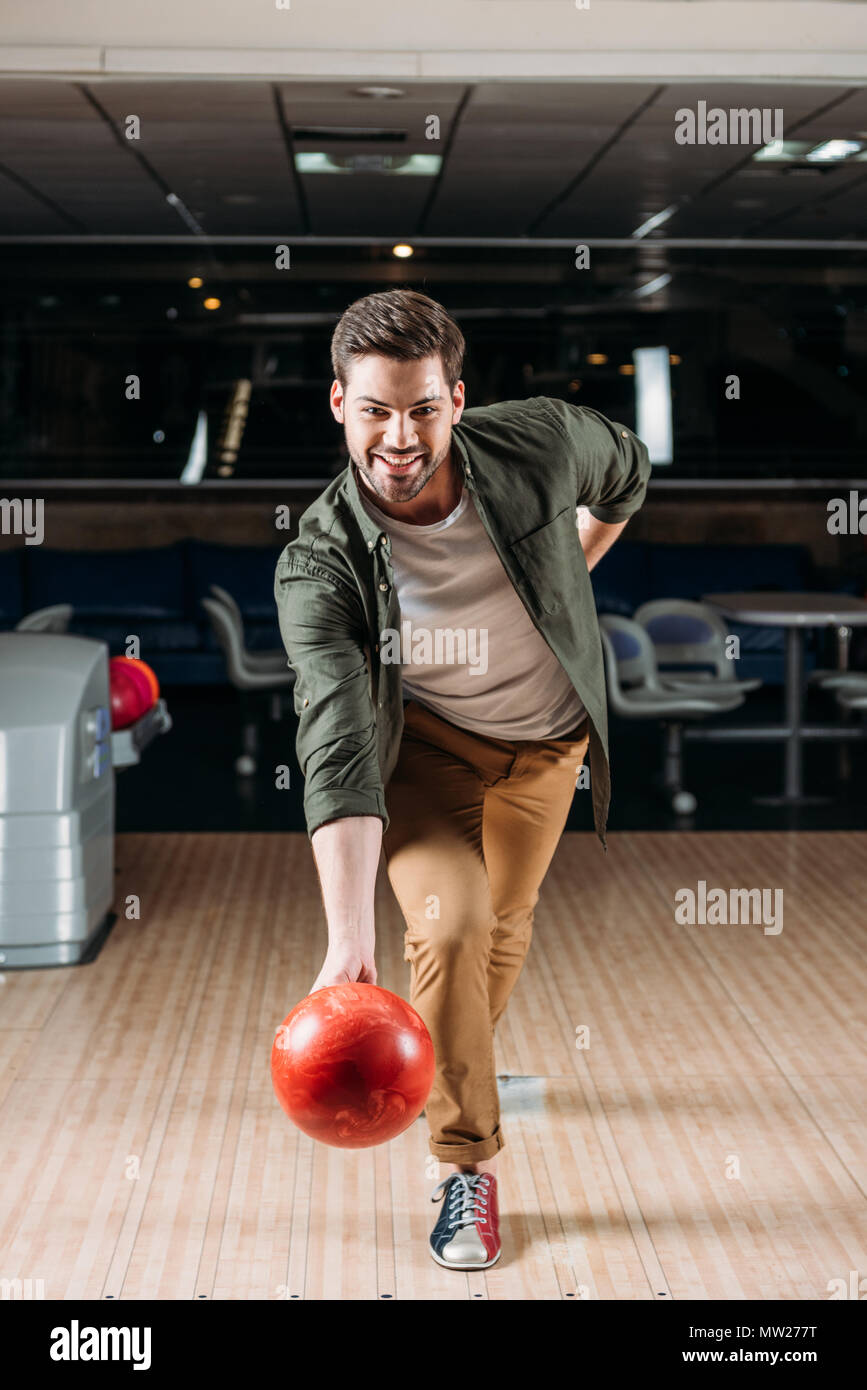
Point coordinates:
[(137, 1098)]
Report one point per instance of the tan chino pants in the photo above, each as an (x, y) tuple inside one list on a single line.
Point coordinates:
[(473, 826)]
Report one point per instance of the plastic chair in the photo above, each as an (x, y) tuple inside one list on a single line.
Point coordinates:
[(250, 682), (54, 619), (853, 696), (839, 676), (686, 634), (636, 692), (273, 660)]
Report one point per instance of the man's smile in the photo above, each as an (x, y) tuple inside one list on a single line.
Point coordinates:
[(398, 463)]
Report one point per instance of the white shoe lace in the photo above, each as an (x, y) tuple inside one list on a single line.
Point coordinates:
[(469, 1190)]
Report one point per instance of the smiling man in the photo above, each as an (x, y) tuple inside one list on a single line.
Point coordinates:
[(453, 528)]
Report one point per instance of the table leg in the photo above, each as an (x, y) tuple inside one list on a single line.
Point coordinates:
[(844, 753), (793, 774), (794, 779)]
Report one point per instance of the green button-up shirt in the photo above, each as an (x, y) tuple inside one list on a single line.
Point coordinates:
[(528, 465)]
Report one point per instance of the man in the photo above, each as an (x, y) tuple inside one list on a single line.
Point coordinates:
[(437, 612)]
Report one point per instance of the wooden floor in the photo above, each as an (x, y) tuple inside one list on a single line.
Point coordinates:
[(710, 1143)]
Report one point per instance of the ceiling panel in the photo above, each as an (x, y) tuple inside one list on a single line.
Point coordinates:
[(557, 159)]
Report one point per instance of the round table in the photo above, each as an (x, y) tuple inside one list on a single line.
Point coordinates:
[(796, 613)]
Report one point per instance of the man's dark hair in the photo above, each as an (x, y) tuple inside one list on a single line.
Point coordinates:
[(400, 324)]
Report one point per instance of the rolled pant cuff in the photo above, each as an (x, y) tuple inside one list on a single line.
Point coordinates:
[(468, 1153)]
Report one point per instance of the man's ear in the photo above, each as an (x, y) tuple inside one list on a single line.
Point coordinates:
[(337, 400)]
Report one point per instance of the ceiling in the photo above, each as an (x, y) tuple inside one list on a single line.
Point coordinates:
[(537, 159)]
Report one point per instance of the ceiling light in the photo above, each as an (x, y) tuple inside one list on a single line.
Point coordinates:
[(652, 286), (211, 303), (597, 359), (835, 149), (402, 251), (320, 162), (774, 149), (782, 150), (674, 359), (379, 93), (626, 369), (195, 282), (184, 213), (655, 221)]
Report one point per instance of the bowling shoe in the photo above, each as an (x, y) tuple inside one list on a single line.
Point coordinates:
[(467, 1232)]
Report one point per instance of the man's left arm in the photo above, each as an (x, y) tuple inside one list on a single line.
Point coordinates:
[(596, 536)]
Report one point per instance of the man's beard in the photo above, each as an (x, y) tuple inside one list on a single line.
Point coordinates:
[(393, 488)]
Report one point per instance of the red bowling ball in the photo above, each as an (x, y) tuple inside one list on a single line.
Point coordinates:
[(130, 692), (352, 1065)]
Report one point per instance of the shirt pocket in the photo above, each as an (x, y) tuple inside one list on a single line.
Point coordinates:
[(551, 558)]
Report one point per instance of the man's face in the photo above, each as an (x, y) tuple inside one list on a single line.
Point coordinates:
[(397, 418)]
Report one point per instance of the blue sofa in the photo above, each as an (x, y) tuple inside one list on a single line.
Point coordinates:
[(155, 593)]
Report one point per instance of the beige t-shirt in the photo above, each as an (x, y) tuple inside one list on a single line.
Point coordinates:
[(468, 647)]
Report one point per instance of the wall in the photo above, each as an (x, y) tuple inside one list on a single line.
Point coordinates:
[(466, 39)]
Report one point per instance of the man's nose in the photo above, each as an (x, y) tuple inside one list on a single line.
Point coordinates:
[(401, 435)]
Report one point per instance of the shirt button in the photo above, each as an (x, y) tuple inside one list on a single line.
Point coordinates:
[(307, 702), (384, 588), (370, 545), (624, 434)]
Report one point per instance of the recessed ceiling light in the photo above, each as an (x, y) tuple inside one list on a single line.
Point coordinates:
[(320, 162), (834, 149), (652, 286), (655, 221), (597, 359), (378, 93), (402, 251), (776, 150), (195, 282), (211, 303)]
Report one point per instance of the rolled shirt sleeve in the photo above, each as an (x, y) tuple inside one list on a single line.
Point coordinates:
[(613, 465), (326, 644)]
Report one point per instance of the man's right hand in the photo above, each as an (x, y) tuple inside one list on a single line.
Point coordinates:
[(346, 964)]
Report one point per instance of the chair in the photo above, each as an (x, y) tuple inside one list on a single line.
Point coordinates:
[(250, 682), (54, 619), (687, 634), (839, 676), (635, 691), (273, 660), (853, 697)]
